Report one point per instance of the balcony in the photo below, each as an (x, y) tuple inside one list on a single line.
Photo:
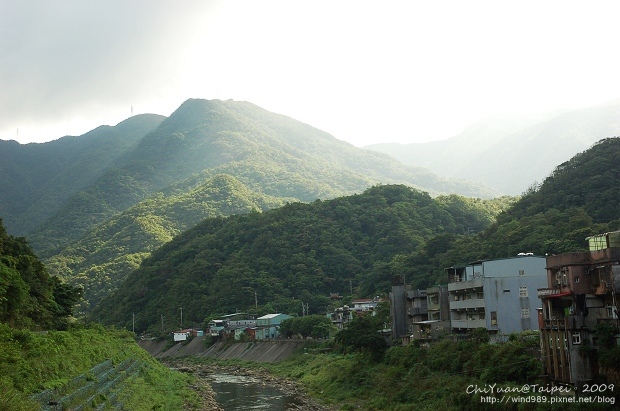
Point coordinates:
[(467, 304), (469, 324), (463, 285), (556, 324), (553, 292), (417, 311)]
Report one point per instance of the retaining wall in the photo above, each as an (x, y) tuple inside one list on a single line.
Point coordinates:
[(259, 351)]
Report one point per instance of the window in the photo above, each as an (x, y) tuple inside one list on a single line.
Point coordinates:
[(576, 338), (576, 280), (521, 272), (481, 315), (493, 317), (506, 291), (525, 313), (611, 313), (522, 291)]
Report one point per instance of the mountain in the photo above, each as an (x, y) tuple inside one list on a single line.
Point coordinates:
[(272, 261), (511, 153), (101, 260), (37, 179), (270, 153), (117, 195), (579, 199), (29, 296), (302, 252)]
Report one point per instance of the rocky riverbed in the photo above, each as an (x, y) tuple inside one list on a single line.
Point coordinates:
[(204, 373)]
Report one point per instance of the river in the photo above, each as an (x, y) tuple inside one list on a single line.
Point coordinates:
[(236, 388), (243, 392)]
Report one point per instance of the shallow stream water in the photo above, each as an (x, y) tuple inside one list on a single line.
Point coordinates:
[(242, 392)]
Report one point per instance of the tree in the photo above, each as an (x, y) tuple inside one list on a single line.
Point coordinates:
[(362, 335)]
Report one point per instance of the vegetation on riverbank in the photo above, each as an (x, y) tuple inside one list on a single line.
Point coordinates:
[(450, 375), (33, 362)]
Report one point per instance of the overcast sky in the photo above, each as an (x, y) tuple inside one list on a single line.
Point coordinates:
[(364, 71)]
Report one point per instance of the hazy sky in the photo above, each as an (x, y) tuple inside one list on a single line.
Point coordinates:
[(364, 71)]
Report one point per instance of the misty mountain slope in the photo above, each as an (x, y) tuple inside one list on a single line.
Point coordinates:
[(102, 259), (36, 179), (270, 153), (579, 199), (304, 251), (510, 156), (297, 253)]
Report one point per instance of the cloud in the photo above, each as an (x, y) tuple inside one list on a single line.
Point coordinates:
[(364, 71), (59, 57)]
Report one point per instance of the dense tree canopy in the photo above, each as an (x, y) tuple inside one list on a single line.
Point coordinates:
[(29, 296), (579, 199), (298, 253)]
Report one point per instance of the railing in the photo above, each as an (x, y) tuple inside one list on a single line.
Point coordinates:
[(467, 304), (462, 285), (468, 323), (546, 292)]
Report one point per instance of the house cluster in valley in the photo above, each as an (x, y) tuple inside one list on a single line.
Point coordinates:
[(565, 297)]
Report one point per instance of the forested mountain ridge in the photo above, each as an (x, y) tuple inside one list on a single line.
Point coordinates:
[(29, 296), (510, 153), (302, 252), (274, 260), (269, 153), (102, 259), (579, 199), (37, 179)]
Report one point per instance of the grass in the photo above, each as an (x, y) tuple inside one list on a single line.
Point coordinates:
[(32, 362)]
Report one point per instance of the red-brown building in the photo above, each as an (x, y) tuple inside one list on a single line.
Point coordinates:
[(583, 291)]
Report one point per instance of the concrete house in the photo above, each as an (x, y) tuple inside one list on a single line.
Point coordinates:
[(582, 291), (215, 327), (438, 309), (341, 316), (268, 326), (408, 308), (499, 295)]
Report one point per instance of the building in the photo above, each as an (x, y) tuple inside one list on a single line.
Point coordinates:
[(268, 326), (365, 304), (181, 335), (582, 291), (341, 316), (499, 295), (407, 307), (438, 313), (215, 327), (398, 308)]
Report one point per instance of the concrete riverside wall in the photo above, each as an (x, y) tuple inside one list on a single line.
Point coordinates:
[(259, 351)]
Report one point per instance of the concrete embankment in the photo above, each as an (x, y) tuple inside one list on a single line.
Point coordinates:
[(258, 351)]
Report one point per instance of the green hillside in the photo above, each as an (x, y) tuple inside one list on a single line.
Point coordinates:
[(303, 252), (46, 355), (117, 193), (271, 154), (87, 368), (37, 179), (299, 253), (579, 199), (29, 296), (102, 259)]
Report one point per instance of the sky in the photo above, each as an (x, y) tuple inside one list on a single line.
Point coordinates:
[(364, 71)]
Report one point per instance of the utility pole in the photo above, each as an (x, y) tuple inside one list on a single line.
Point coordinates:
[(181, 317), (255, 300), (351, 286)]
